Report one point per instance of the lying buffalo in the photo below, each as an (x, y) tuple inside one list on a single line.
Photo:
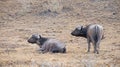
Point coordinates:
[(47, 44), (93, 33)]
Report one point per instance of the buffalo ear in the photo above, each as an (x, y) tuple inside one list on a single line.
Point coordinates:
[(81, 27), (39, 36)]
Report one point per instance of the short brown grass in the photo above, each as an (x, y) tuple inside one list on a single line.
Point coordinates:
[(20, 19)]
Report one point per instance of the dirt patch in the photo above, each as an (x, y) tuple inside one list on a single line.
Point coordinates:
[(19, 19)]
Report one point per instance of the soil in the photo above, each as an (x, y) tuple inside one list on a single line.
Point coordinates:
[(19, 19)]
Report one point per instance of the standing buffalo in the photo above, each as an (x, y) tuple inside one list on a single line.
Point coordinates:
[(93, 33), (47, 44)]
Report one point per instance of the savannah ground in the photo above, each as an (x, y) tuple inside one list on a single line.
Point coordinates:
[(19, 19)]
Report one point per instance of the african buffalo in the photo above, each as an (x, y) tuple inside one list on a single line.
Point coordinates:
[(93, 33), (47, 44)]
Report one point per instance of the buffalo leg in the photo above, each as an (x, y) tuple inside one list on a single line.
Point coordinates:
[(88, 40), (55, 51), (45, 48), (97, 47)]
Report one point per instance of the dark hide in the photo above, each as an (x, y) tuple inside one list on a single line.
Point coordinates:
[(80, 32)]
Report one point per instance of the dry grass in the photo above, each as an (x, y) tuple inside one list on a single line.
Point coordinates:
[(19, 19)]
